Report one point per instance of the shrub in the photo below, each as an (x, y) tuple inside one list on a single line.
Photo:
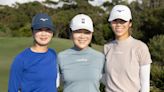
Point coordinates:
[(157, 52), (156, 47), (157, 76)]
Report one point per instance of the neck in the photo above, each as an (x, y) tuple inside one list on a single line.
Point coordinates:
[(120, 38), (79, 49), (38, 48)]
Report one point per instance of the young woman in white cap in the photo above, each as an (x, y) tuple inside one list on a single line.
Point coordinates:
[(127, 59), (81, 66), (35, 68)]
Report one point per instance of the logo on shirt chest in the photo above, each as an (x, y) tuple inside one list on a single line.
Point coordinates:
[(118, 52), (82, 60)]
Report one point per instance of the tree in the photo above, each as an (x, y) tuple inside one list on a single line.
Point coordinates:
[(157, 49), (152, 22)]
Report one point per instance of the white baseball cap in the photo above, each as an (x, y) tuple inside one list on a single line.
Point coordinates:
[(120, 12), (81, 21)]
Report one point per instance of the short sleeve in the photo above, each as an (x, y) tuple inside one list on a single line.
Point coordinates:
[(144, 54)]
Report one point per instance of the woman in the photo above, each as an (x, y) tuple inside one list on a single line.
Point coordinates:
[(81, 66), (35, 68), (127, 59)]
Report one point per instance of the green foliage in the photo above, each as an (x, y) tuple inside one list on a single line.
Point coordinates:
[(157, 76), (98, 37), (25, 31), (62, 20), (147, 22), (107, 32), (157, 49), (152, 23)]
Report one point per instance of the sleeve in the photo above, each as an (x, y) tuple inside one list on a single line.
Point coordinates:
[(145, 78), (16, 71), (102, 80), (57, 67), (58, 78), (144, 55)]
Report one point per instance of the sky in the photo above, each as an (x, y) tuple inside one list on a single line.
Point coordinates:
[(11, 2)]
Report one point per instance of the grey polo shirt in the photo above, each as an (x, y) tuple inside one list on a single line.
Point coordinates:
[(81, 70)]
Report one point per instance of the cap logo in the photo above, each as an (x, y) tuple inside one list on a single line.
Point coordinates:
[(82, 20), (43, 19), (120, 10)]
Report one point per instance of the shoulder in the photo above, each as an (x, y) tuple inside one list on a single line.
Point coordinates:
[(23, 53), (108, 46), (139, 44), (52, 50), (63, 57), (142, 51), (96, 53), (65, 52), (19, 57)]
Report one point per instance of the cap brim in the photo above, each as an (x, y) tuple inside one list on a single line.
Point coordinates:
[(119, 18), (39, 26), (81, 27)]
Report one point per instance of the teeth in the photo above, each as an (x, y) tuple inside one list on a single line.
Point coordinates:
[(81, 41), (43, 38)]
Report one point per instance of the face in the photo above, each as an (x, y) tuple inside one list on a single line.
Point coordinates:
[(121, 28), (81, 38), (43, 36)]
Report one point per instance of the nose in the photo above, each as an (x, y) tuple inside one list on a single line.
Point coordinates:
[(82, 35), (118, 22), (43, 32)]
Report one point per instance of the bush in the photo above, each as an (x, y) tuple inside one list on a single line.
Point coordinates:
[(157, 49), (157, 71), (157, 76)]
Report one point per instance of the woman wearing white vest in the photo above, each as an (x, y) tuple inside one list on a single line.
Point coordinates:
[(127, 59), (81, 66)]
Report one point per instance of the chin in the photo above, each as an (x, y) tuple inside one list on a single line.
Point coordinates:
[(83, 47), (43, 44)]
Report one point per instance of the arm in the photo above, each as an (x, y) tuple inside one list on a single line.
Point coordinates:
[(15, 76), (145, 78), (58, 80), (103, 81)]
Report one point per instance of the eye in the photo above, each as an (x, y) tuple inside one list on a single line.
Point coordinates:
[(49, 31), (119, 21), (87, 32), (82, 31), (77, 31)]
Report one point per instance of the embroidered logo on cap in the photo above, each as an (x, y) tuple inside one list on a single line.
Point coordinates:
[(82, 20), (44, 19), (120, 10)]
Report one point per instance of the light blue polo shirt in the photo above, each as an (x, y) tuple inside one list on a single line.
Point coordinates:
[(81, 70)]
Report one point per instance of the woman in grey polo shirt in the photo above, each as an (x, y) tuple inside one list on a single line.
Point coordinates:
[(127, 59), (81, 66)]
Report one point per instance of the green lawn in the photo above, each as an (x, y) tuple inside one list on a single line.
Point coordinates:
[(10, 47)]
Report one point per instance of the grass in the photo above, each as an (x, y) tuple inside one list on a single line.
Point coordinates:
[(10, 47)]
